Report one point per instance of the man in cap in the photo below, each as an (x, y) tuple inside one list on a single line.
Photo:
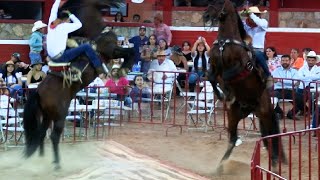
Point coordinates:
[(256, 27), (59, 27), (139, 41)]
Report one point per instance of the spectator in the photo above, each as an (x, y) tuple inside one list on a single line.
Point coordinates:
[(100, 82), (284, 89), (162, 31), (186, 50), (308, 73), (35, 41), (4, 15), (140, 89), (118, 17), (15, 57), (296, 61), (272, 58), (256, 27), (119, 85), (161, 80), (12, 79), (136, 18), (163, 45), (139, 41), (305, 52), (3, 88), (23, 68), (36, 75), (199, 53), (149, 53), (181, 63)]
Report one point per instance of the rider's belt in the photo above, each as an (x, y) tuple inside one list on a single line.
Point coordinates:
[(58, 55)]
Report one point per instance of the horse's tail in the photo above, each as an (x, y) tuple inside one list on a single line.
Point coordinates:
[(31, 123)]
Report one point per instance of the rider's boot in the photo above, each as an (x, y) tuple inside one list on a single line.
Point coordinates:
[(269, 82)]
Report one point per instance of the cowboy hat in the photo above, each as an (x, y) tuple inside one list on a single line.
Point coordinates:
[(161, 53), (115, 66), (137, 1), (35, 62), (255, 10), (38, 25), (313, 54), (9, 63)]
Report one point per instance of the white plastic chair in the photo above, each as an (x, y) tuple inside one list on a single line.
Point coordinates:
[(203, 105)]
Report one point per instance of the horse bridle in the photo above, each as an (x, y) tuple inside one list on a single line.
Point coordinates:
[(222, 11)]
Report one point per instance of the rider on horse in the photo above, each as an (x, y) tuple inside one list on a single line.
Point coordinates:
[(58, 30), (256, 27)]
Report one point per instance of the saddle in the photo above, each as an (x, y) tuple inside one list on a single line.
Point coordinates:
[(66, 70)]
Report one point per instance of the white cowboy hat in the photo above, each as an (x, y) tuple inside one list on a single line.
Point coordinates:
[(38, 25), (137, 1), (313, 54), (255, 9)]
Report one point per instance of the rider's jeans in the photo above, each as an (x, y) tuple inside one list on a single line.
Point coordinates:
[(262, 61), (72, 53)]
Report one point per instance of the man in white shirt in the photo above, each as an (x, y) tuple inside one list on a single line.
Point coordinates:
[(284, 88), (308, 73), (59, 27), (161, 79), (256, 27)]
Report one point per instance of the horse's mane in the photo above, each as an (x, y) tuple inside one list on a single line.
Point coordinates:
[(242, 31)]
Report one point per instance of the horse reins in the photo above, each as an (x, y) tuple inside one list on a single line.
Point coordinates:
[(248, 67)]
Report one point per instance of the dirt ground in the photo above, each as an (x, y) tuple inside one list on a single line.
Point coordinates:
[(191, 151)]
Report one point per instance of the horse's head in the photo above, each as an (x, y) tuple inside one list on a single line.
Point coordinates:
[(218, 9)]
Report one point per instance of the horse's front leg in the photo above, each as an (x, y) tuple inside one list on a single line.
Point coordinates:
[(234, 116), (55, 138)]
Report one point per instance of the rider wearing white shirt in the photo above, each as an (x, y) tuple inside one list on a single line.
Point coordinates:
[(58, 29), (256, 27)]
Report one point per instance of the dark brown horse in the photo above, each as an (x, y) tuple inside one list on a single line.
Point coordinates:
[(50, 103), (233, 66)]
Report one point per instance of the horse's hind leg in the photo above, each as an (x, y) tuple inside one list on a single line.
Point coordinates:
[(234, 116), (44, 126), (55, 138), (269, 125)]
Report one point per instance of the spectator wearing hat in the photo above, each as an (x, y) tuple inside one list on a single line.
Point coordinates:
[(256, 27), (119, 85), (162, 31), (11, 78), (36, 41), (138, 42), (36, 75), (160, 79), (15, 58), (308, 73)]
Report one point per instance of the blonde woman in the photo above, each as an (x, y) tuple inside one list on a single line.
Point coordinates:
[(36, 75)]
